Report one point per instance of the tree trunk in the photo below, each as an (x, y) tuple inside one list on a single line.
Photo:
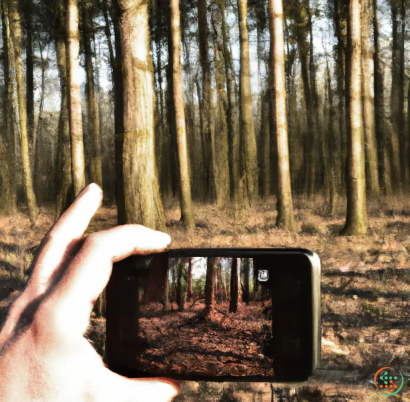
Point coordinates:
[(380, 122), (232, 116), (28, 12), (187, 216), (368, 103), (15, 29), (142, 199), (75, 118), (284, 193), (246, 292), (181, 297), (356, 218), (189, 286), (63, 176), (8, 199), (92, 105), (233, 304), (222, 141), (210, 285), (250, 161), (208, 114)]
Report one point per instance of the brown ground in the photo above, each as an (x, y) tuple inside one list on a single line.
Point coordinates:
[(365, 289), (186, 342)]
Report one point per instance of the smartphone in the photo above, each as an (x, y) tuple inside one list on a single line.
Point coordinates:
[(215, 315)]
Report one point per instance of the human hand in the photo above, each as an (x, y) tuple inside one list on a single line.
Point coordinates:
[(43, 354)]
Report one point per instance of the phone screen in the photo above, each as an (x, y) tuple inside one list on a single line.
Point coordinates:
[(194, 317)]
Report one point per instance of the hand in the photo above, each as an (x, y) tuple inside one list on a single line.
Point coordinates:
[(43, 354)]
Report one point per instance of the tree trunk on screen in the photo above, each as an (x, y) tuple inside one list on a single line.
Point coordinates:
[(75, 118), (208, 115), (189, 285), (250, 161), (380, 122), (28, 12), (245, 269), (210, 285), (92, 106), (63, 176), (141, 193), (15, 29), (181, 296), (232, 115), (165, 302), (356, 219), (187, 216), (368, 103), (233, 304), (284, 192), (8, 199)]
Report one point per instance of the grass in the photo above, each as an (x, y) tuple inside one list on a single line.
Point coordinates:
[(365, 280)]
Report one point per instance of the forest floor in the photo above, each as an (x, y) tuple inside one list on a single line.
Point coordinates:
[(185, 342), (365, 288)]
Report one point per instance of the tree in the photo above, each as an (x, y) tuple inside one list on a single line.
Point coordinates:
[(208, 134), (246, 269), (141, 192), (210, 285), (250, 161), (63, 176), (284, 204), (233, 304), (187, 216), (92, 106), (15, 29), (8, 199), (75, 119), (368, 102), (180, 298), (189, 282), (356, 219)]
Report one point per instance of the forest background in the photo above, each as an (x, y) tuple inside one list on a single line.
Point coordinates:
[(225, 123)]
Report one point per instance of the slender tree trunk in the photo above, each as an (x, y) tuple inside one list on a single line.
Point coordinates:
[(368, 103), (189, 286), (210, 285), (208, 114), (284, 195), (356, 219), (232, 116), (181, 298), (75, 118), (28, 12), (222, 142), (142, 199), (233, 304), (64, 181), (92, 105), (187, 216), (246, 292), (247, 127), (8, 199), (380, 122), (28, 179)]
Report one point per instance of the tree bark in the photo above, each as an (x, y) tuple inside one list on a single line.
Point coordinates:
[(27, 174), (187, 216), (8, 195), (232, 116), (92, 106), (233, 304), (284, 192), (210, 285), (356, 218), (75, 118), (181, 298), (246, 268), (189, 286), (142, 199), (368, 103), (250, 160)]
